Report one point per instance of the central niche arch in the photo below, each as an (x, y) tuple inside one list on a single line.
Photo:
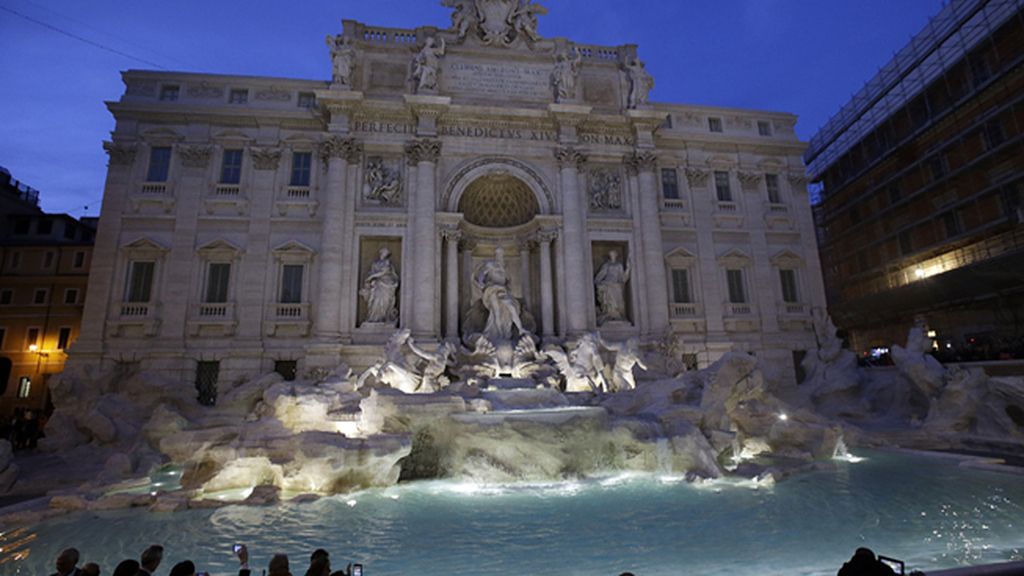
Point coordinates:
[(497, 192), (498, 201)]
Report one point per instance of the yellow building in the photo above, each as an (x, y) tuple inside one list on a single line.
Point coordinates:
[(44, 266)]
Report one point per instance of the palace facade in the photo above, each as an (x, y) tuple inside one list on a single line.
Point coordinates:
[(247, 222)]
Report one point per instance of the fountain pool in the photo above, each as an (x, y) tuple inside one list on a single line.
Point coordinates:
[(923, 509)]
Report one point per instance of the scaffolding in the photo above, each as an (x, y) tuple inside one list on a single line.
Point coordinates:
[(950, 36)]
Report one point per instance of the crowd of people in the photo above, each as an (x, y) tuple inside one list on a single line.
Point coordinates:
[(152, 558)]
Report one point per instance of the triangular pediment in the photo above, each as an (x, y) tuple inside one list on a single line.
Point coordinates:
[(232, 136), (681, 255), (735, 256), (219, 246), (294, 247), (144, 244), (162, 136), (787, 258)]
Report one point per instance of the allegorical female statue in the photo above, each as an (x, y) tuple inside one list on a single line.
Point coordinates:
[(426, 64), (565, 75), (610, 283), (503, 310), (379, 290), (343, 57), (640, 83)]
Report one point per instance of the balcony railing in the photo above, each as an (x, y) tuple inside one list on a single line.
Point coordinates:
[(297, 192), (684, 309), (674, 204), (215, 311), (227, 190), (793, 309), (135, 310), (730, 207), (290, 311), (775, 208), (739, 309), (154, 188)]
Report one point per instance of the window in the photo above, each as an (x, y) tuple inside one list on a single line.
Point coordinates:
[(994, 134), (44, 227), (722, 187), (64, 338), (951, 221), (206, 382), (238, 96), (217, 276), (301, 163), (906, 243), (69, 231), (788, 281), (79, 261), (764, 128), (159, 164), (140, 282), (47, 260), (855, 216), (6, 297), (669, 183), (39, 297), (771, 181), (715, 124), (231, 167), (287, 369), (31, 338), (169, 93), (291, 283), (21, 226), (24, 387), (737, 292), (307, 100), (15, 260), (895, 192), (681, 286), (936, 166), (3, 333), (71, 296)]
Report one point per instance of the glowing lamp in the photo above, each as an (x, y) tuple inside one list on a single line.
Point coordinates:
[(919, 273), (783, 417), (33, 348)]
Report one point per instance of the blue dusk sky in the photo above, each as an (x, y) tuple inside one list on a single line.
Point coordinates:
[(801, 56)]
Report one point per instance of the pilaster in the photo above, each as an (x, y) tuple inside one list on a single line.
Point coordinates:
[(423, 156), (644, 164), (575, 245)]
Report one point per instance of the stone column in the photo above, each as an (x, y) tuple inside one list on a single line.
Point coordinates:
[(645, 163), (353, 153), (574, 222), (99, 301), (333, 153), (524, 270), (423, 155), (547, 285), (452, 237)]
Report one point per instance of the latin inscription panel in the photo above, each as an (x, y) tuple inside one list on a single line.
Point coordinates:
[(499, 80)]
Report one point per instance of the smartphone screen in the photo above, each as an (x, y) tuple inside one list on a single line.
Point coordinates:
[(357, 570), (897, 565), (237, 548)]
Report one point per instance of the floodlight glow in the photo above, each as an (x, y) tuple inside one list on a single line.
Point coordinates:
[(783, 417), (33, 347), (919, 273)]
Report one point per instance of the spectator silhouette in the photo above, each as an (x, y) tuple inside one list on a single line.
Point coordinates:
[(150, 560), (279, 566), (91, 569), (864, 563), (127, 568), (67, 563), (186, 568)]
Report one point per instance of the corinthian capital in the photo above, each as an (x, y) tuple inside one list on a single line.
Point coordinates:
[(120, 154), (195, 156), (265, 158), (641, 161), (347, 149), (547, 235), (570, 158), (423, 151)]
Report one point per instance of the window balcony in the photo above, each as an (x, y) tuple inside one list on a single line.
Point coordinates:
[(154, 188), (794, 316), (296, 201), (674, 204), (687, 316), (778, 216), (153, 197), (227, 190), (134, 319), (728, 215), (288, 320), (297, 192), (685, 310), (212, 319), (226, 200), (741, 317)]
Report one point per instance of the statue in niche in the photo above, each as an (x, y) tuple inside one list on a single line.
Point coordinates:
[(610, 283), (427, 64), (605, 190), (383, 183), (379, 290), (640, 83), (565, 75), (503, 310), (343, 58)]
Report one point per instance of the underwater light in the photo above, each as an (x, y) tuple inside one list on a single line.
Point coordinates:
[(783, 416)]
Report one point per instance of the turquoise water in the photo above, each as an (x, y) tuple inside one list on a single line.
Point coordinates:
[(925, 510)]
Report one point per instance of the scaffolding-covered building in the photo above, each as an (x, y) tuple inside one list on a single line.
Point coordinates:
[(919, 183)]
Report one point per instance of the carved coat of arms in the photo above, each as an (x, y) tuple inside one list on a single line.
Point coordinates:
[(496, 22)]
